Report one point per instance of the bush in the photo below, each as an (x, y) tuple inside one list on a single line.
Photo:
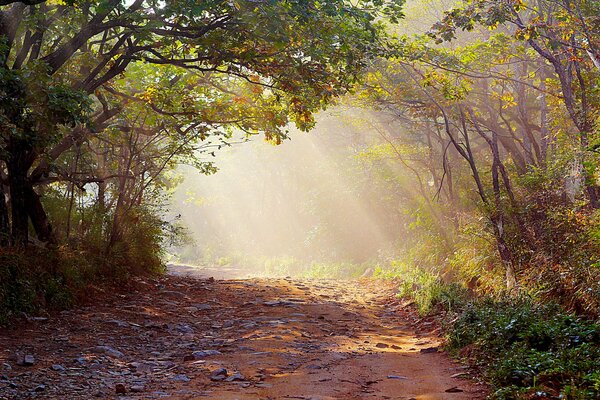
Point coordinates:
[(524, 348), (426, 288), (38, 279)]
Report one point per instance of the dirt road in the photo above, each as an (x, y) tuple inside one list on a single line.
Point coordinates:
[(186, 338)]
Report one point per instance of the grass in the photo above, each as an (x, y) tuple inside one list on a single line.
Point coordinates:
[(425, 288)]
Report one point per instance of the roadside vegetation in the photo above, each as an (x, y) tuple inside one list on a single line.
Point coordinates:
[(525, 347), (461, 157)]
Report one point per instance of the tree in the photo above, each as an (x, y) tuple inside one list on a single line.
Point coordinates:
[(59, 63)]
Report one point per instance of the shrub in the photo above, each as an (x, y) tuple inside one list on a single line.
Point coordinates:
[(426, 288), (524, 347)]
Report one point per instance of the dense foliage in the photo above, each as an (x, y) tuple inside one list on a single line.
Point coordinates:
[(530, 350), (477, 154), (100, 100)]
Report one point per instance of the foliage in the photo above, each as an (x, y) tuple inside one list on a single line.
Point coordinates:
[(425, 288), (527, 349), (100, 100)]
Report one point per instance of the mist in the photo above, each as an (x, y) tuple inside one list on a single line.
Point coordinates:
[(310, 199)]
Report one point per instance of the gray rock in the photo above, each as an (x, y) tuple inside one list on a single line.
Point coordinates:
[(137, 388), (28, 360), (206, 353), (235, 377), (107, 350), (57, 367), (182, 328), (117, 322), (218, 374), (181, 378)]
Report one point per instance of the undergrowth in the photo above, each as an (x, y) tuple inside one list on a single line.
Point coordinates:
[(524, 347), (530, 350), (34, 280)]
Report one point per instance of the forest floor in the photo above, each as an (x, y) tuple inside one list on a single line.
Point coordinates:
[(182, 337)]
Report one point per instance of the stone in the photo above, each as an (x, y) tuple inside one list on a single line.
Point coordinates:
[(381, 346), (218, 374), (27, 360), (181, 378), (235, 377), (107, 350), (40, 388), (120, 388), (454, 389), (140, 366), (57, 367), (119, 323), (137, 388), (396, 377), (182, 328), (429, 350), (205, 353)]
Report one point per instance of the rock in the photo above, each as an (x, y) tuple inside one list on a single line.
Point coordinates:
[(396, 377), (182, 328), (235, 377), (429, 350), (27, 361), (202, 306), (218, 374), (205, 353), (57, 367), (275, 303), (181, 378), (140, 366), (122, 324), (395, 347), (107, 350), (40, 388), (381, 346), (454, 389), (120, 388), (137, 388), (80, 360)]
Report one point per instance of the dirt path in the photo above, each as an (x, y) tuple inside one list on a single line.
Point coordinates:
[(186, 338)]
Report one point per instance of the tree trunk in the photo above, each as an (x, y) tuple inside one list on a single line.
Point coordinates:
[(18, 205), (38, 216), (4, 221)]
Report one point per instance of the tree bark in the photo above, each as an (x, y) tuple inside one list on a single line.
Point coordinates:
[(17, 180), (39, 218), (4, 221)]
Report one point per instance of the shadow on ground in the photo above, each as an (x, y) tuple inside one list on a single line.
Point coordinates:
[(185, 338)]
